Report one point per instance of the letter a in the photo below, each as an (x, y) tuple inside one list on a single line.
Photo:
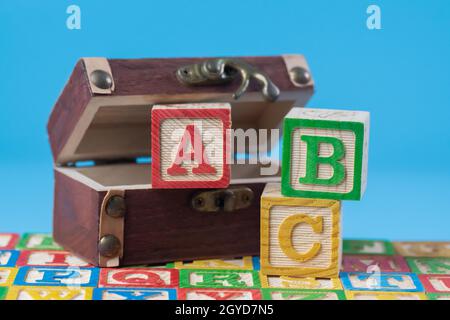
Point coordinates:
[(192, 135)]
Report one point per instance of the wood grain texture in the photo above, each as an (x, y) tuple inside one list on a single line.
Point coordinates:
[(218, 294), (76, 217), (300, 283), (423, 249), (68, 109), (198, 130), (310, 246), (366, 295), (349, 130), (158, 229), (144, 82)]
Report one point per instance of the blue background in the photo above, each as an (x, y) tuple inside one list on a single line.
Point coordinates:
[(401, 74)]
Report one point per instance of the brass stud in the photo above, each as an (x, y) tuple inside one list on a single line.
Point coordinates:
[(115, 207), (101, 79), (109, 246), (300, 75)]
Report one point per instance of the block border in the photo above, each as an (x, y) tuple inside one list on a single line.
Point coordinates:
[(350, 295), (157, 115), (14, 290), (23, 271), (12, 260), (428, 286), (265, 283), (12, 242), (182, 292), (97, 292), (348, 286), (185, 284), (267, 202), (289, 125), (266, 292), (103, 277)]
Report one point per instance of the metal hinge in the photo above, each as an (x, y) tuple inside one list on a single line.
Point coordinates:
[(227, 200)]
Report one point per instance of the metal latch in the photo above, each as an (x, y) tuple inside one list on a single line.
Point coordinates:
[(220, 71), (227, 200)]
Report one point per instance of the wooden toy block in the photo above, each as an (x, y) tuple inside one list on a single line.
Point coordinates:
[(169, 265), (139, 277), (218, 294), (227, 279), (366, 247), (191, 146), (299, 237), (8, 258), (287, 294), (436, 283), (438, 296), (372, 295), (423, 249), (383, 281), (363, 263), (300, 283), (7, 276), (3, 291), (57, 276), (37, 241), (245, 263), (325, 153), (8, 240), (430, 265), (134, 294), (49, 293), (47, 258)]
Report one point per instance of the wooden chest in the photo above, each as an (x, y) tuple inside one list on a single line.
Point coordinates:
[(105, 209)]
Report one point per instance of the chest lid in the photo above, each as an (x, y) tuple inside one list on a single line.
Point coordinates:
[(103, 112)]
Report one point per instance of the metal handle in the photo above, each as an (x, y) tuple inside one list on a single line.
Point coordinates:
[(220, 71), (227, 200)]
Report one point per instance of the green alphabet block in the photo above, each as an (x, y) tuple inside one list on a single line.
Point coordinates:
[(292, 294), (438, 296), (325, 154), (429, 265), (368, 247), (3, 291), (207, 278), (37, 241)]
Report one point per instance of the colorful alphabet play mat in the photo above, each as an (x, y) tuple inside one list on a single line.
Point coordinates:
[(33, 267)]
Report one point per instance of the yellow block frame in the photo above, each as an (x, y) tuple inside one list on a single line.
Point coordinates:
[(14, 291), (267, 202), (381, 295)]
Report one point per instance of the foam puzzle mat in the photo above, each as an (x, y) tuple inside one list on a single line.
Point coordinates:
[(33, 267)]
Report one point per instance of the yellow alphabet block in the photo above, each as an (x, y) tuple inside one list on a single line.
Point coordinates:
[(377, 295), (299, 236), (49, 293), (288, 282), (244, 263), (7, 276)]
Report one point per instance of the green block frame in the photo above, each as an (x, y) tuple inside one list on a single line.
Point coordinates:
[(412, 263), (22, 245), (348, 247), (3, 291), (435, 296), (266, 292), (289, 125), (185, 273)]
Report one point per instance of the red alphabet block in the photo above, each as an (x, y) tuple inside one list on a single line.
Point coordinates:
[(8, 240), (362, 263), (46, 258), (190, 146), (139, 278), (218, 294), (436, 283)]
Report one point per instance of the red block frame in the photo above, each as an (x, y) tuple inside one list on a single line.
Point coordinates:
[(12, 242), (425, 279), (103, 279), (182, 293), (25, 255), (158, 115)]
